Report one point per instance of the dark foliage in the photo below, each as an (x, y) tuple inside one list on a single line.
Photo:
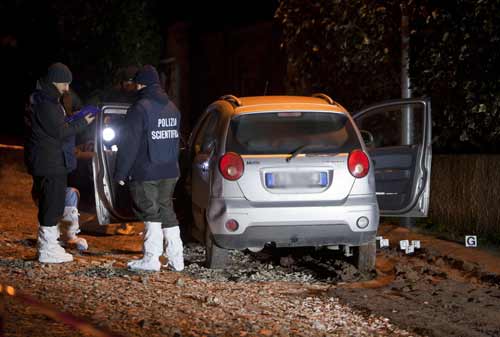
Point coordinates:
[(95, 38), (352, 51)]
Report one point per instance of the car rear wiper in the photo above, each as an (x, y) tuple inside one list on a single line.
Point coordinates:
[(296, 152), (301, 148)]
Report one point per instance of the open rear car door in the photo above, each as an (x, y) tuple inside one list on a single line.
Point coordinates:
[(397, 135), (112, 201)]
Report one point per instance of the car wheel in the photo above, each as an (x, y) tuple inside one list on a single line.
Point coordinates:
[(364, 257), (215, 256)]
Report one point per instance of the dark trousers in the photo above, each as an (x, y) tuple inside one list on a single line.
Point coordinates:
[(49, 192), (153, 201)]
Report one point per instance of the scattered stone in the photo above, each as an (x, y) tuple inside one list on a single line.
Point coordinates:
[(266, 332), (176, 332), (180, 282), (143, 323), (287, 261), (318, 325), (213, 301)]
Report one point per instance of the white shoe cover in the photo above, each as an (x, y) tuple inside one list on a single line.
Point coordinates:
[(49, 250), (79, 243), (72, 227), (153, 248), (173, 248), (149, 262)]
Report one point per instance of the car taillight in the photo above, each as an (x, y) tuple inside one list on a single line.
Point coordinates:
[(231, 166), (358, 163)]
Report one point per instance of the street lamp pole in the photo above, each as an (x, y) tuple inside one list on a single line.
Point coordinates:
[(407, 118)]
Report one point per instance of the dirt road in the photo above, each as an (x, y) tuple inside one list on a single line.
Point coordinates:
[(441, 290)]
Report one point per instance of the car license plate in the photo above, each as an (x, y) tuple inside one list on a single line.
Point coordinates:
[(296, 179)]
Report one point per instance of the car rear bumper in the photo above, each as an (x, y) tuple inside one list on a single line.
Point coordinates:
[(294, 236), (293, 225)]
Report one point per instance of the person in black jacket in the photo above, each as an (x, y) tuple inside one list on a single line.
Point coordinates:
[(148, 160), (47, 160)]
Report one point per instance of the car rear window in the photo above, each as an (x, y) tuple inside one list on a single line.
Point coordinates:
[(286, 132)]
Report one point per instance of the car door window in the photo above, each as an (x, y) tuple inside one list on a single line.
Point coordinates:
[(206, 136), (393, 126)]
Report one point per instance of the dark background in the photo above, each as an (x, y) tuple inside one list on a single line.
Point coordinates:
[(31, 39)]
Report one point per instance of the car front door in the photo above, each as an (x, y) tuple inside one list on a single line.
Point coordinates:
[(202, 149), (112, 201), (201, 153), (397, 136)]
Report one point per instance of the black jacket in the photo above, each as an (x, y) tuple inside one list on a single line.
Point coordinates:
[(150, 148), (47, 133)]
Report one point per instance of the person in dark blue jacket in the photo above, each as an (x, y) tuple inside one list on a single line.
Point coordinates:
[(46, 158), (147, 159)]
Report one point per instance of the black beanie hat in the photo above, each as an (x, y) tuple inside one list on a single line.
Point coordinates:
[(147, 75), (58, 73)]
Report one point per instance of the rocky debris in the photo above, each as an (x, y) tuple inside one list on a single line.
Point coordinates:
[(436, 299), (199, 308), (245, 266), (17, 264)]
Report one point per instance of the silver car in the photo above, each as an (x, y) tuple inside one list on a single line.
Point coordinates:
[(301, 171), (288, 170)]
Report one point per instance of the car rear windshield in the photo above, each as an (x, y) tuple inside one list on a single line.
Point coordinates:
[(287, 132)]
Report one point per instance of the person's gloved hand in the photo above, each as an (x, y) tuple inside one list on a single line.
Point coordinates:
[(87, 110)]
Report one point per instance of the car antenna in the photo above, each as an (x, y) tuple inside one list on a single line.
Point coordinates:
[(266, 87)]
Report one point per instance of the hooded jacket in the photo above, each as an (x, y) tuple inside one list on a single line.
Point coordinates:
[(47, 136), (150, 148)]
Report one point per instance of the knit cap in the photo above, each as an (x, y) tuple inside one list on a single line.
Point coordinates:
[(58, 73), (147, 75)]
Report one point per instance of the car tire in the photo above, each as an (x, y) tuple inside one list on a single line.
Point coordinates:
[(215, 256), (365, 256)]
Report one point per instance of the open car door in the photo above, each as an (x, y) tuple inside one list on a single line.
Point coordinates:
[(397, 136), (112, 201)]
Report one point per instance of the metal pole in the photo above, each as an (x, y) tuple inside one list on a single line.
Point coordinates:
[(407, 113), (407, 118)]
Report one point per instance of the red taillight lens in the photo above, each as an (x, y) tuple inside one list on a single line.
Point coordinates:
[(231, 166), (358, 164)]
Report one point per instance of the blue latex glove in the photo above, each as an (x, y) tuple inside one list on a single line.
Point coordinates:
[(84, 111)]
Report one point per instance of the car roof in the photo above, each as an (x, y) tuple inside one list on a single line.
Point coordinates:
[(254, 104)]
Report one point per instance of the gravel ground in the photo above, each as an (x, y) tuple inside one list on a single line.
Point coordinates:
[(276, 292), (169, 304)]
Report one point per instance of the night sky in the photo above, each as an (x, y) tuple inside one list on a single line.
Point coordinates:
[(30, 40)]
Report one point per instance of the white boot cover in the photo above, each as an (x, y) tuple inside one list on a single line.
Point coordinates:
[(173, 248), (72, 227), (49, 250), (153, 247)]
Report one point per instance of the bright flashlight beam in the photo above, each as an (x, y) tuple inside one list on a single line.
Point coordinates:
[(108, 134)]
